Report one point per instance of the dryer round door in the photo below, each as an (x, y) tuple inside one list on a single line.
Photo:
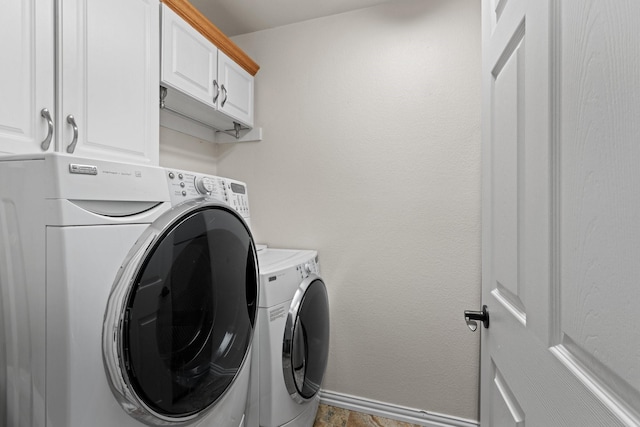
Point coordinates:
[(180, 317), (306, 340)]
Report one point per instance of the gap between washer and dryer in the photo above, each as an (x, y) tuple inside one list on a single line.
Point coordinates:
[(331, 416)]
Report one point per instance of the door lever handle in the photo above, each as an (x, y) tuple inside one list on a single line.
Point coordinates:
[(471, 317)]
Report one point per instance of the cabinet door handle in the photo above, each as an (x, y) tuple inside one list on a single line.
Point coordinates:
[(215, 85), (224, 91), (72, 121), (47, 141)]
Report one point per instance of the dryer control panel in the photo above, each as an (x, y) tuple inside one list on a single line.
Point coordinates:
[(308, 267), (185, 185)]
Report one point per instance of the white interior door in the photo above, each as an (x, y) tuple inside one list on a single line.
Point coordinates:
[(561, 223)]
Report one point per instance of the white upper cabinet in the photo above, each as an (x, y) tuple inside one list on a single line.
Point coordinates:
[(236, 86), (109, 68), (107, 78), (26, 76), (189, 60), (202, 83)]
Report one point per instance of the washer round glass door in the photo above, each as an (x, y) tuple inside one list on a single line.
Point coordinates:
[(181, 314), (306, 340)]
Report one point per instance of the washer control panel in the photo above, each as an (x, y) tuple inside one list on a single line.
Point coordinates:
[(185, 185)]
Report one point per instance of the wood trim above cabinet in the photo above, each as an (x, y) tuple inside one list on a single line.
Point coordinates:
[(200, 22)]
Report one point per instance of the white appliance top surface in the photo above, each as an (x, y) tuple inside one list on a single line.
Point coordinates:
[(281, 273), (81, 191), (273, 260), (76, 178)]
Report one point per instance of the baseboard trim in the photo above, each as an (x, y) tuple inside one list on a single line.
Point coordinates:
[(394, 412)]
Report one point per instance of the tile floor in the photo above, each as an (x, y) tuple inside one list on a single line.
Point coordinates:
[(330, 416)]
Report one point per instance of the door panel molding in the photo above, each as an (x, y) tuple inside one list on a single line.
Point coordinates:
[(505, 403), (507, 139), (591, 373), (511, 47), (555, 93)]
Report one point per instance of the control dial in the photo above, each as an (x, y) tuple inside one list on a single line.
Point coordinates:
[(205, 185)]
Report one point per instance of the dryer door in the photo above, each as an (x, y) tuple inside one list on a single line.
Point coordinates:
[(306, 340), (180, 317)]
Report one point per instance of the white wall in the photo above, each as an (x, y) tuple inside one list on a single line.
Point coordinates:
[(371, 155), (181, 151)]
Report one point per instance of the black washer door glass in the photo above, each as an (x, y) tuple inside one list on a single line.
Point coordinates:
[(310, 340), (191, 313)]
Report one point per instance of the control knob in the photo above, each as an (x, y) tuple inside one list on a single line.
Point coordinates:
[(204, 185), (307, 268)]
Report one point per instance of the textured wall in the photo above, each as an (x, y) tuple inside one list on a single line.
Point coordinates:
[(371, 155), (181, 151)]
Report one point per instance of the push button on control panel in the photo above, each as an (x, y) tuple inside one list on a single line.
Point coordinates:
[(181, 187)]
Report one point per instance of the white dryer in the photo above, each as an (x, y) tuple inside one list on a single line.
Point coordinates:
[(117, 306), (293, 318)]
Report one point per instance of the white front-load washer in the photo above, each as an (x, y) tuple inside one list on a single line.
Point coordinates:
[(293, 319), (119, 307)]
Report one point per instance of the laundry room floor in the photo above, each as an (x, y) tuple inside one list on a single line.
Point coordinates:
[(331, 416)]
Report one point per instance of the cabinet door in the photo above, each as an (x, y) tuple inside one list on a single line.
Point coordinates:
[(236, 86), (189, 60), (109, 68), (26, 76)]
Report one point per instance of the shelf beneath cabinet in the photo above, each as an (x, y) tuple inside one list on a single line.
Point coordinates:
[(252, 135), (182, 124)]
